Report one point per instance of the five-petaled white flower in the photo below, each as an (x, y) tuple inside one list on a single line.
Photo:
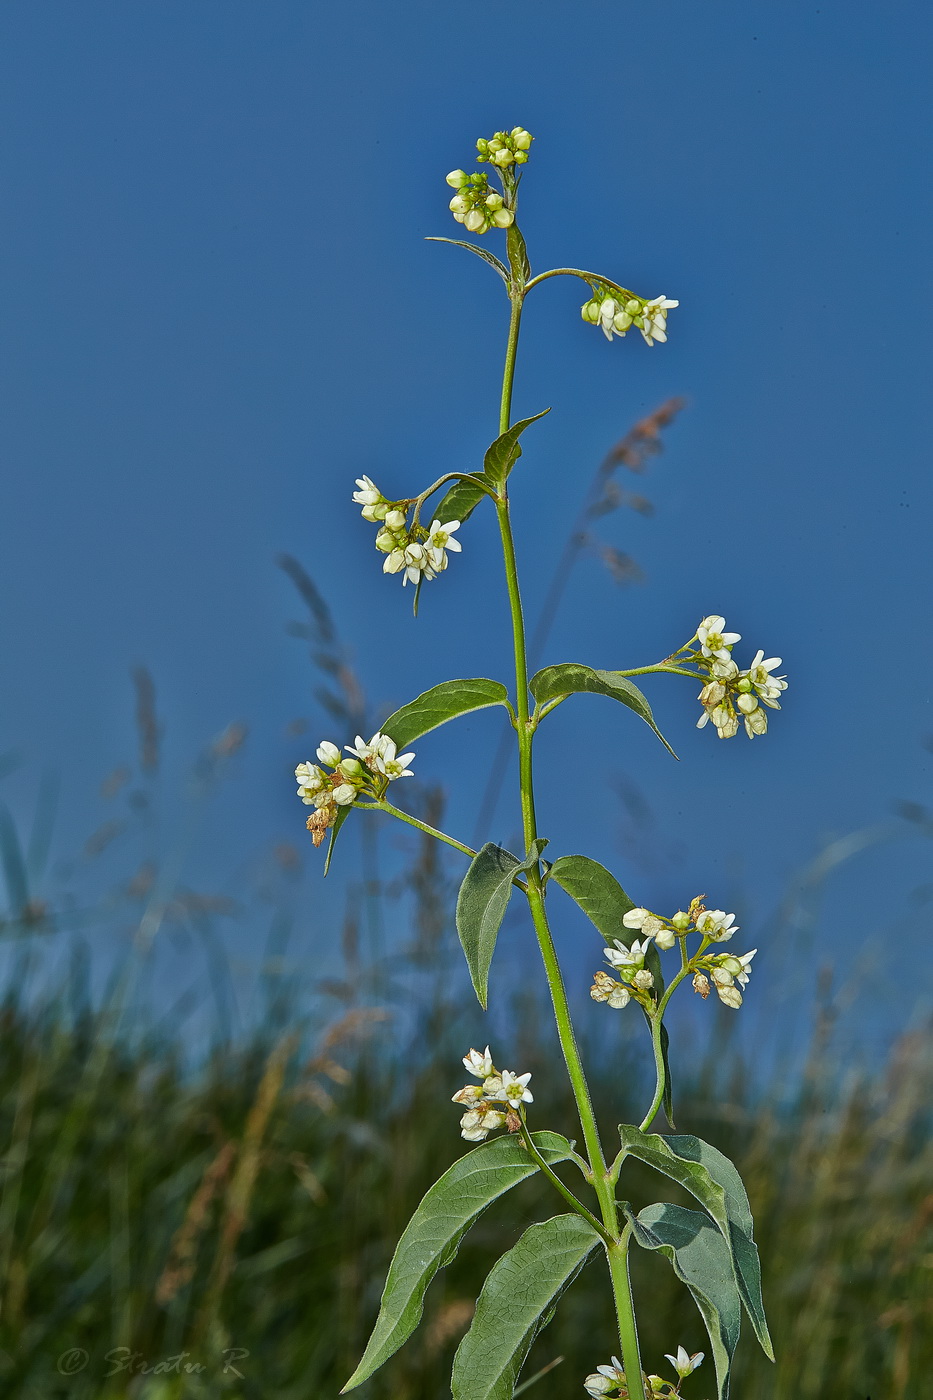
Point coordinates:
[(368, 493), (387, 762), (654, 314), (439, 541), (766, 686), (620, 956), (514, 1088), (310, 781), (605, 1378), (683, 1363), (328, 753), (714, 640), (479, 1064), (717, 925)]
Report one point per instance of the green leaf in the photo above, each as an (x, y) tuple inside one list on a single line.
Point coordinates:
[(481, 905), (483, 253), (461, 500), (668, 1100), (570, 678), (518, 255), (598, 893), (502, 455), (439, 704), (709, 1176), (517, 1301), (342, 814), (432, 1236), (701, 1260)]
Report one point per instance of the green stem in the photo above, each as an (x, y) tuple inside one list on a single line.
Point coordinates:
[(625, 1312), (383, 806), (525, 728), (656, 1023), (662, 667)]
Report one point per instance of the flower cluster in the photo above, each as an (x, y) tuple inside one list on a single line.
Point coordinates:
[(634, 981), (494, 1103), (410, 550), (730, 694), (475, 205), (610, 1380), (615, 311), (505, 148), (370, 769)]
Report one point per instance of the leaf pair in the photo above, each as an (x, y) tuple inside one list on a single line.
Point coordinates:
[(431, 1240), (724, 1274)]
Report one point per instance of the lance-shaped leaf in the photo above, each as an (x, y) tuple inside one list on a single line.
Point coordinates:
[(702, 1261), (342, 814), (518, 255), (481, 905), (439, 704), (432, 1236), (505, 451), (570, 678), (598, 893), (517, 1301), (709, 1176), (483, 253)]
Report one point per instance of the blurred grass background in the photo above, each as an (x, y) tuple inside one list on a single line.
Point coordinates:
[(181, 1189)]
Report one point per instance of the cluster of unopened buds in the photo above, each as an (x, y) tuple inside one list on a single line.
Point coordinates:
[(369, 770), (615, 311), (476, 205), (731, 694), (633, 981), (411, 550), (610, 1380), (494, 1103)]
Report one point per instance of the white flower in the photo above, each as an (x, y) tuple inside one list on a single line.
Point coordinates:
[(439, 541), (683, 1363), (655, 318), (767, 687), (665, 938), (605, 1378), (743, 976), (363, 751), (479, 1064), (310, 780), (470, 1093), (717, 925), (416, 563), (620, 956), (730, 996), (394, 562), (635, 918), (344, 794), (714, 640), (395, 520), (514, 1088), (384, 754), (368, 494), (328, 753)]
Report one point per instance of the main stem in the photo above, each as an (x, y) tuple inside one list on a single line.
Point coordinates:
[(525, 727)]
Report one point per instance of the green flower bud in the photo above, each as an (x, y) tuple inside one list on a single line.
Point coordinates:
[(456, 178), (681, 921), (503, 218), (521, 157), (521, 138), (503, 158), (482, 146), (395, 520), (633, 306), (590, 311), (475, 221), (744, 685), (731, 964), (385, 541), (494, 201), (351, 767)]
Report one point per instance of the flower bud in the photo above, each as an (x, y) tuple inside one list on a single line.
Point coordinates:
[(643, 979), (521, 138), (395, 520), (385, 541), (328, 753), (482, 146), (731, 964), (456, 178), (503, 218), (369, 513), (344, 795), (351, 767), (474, 221), (394, 562), (494, 201), (746, 703), (521, 157), (681, 921), (495, 145), (459, 204), (744, 685), (665, 939), (621, 321), (590, 311), (503, 158), (633, 306)]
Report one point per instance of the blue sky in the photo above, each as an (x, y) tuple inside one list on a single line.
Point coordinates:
[(219, 309)]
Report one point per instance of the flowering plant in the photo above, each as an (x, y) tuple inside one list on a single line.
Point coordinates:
[(711, 1249)]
